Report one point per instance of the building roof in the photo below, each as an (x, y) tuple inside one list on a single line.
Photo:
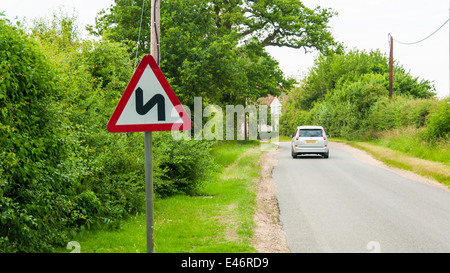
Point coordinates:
[(269, 99)]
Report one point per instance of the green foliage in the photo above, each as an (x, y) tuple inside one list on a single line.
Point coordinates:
[(281, 23), (438, 122), (344, 109), (268, 23), (348, 95), (333, 70), (200, 58), (60, 170), (31, 150), (227, 152), (101, 168), (406, 84), (400, 111), (215, 49), (409, 140), (181, 167), (201, 223), (330, 71), (121, 24)]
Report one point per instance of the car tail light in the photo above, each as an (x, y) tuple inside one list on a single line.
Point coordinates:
[(324, 136), (298, 133)]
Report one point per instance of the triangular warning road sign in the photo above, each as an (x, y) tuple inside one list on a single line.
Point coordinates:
[(149, 103)]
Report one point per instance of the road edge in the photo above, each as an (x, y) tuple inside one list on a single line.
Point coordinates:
[(369, 158)]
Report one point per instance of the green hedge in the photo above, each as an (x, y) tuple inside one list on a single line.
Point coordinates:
[(31, 147), (401, 111), (60, 170), (438, 122)]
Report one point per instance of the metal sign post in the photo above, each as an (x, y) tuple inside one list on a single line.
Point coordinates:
[(162, 112), (154, 51), (149, 191)]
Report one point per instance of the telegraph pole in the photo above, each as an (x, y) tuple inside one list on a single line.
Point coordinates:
[(391, 64), (155, 33), (154, 51)]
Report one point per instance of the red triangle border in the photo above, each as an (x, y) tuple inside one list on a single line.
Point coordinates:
[(114, 128)]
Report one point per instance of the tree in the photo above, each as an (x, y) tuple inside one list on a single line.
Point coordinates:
[(345, 93), (283, 23), (215, 49), (330, 71), (122, 24), (60, 170)]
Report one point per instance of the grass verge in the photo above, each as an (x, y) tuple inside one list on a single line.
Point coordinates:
[(219, 219), (405, 150), (408, 141)]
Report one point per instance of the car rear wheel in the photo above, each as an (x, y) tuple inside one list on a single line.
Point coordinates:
[(294, 155), (326, 155)]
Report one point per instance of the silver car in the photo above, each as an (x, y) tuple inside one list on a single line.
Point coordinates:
[(310, 140)]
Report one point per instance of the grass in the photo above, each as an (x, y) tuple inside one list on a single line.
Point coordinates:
[(404, 149), (129, 238), (431, 169), (285, 138), (408, 141), (219, 219), (226, 152)]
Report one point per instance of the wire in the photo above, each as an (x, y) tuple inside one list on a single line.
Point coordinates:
[(423, 38), (156, 30), (139, 35)]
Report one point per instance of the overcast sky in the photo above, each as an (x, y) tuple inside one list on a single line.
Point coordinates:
[(359, 24)]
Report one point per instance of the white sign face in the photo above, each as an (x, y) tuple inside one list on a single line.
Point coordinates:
[(149, 93), (149, 103)]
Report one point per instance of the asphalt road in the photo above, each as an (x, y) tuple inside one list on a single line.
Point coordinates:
[(341, 204)]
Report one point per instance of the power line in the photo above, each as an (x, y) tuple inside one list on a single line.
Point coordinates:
[(139, 35), (423, 38)]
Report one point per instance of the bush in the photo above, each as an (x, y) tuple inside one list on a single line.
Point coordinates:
[(400, 111), (31, 147), (344, 110), (60, 170), (438, 123), (348, 95), (181, 166)]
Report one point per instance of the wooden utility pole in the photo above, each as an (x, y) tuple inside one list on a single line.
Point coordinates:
[(391, 64), (155, 33), (154, 51)]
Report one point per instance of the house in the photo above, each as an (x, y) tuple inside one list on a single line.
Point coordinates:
[(275, 105)]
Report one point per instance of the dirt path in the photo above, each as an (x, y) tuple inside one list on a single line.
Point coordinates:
[(269, 234)]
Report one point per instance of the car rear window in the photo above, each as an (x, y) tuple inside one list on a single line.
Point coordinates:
[(310, 133)]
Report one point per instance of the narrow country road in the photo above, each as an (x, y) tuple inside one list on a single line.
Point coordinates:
[(341, 204)]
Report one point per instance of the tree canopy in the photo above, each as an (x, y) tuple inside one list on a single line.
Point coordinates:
[(331, 71), (347, 93), (216, 49)]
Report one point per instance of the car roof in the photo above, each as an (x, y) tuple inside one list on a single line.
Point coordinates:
[(309, 127)]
